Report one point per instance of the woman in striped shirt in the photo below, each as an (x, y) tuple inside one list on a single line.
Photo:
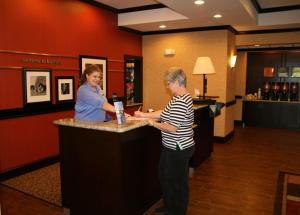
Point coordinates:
[(176, 122)]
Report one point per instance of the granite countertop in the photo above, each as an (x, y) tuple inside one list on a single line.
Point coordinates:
[(196, 107), (103, 126), (112, 126)]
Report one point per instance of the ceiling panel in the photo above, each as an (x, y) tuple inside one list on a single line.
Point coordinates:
[(241, 14), (277, 3)]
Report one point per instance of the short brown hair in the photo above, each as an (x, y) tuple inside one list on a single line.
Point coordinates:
[(88, 70)]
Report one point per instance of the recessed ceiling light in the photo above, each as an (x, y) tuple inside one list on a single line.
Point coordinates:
[(199, 2), (162, 26), (217, 16), (256, 45)]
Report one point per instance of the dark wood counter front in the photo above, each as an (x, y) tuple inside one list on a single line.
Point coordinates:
[(271, 114), (203, 135), (107, 172)]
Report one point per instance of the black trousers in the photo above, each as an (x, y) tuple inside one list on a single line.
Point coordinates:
[(173, 176)]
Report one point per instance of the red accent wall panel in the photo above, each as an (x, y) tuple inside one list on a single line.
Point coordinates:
[(117, 78), (69, 28), (27, 139), (10, 89)]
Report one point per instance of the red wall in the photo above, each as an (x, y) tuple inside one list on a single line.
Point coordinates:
[(62, 27)]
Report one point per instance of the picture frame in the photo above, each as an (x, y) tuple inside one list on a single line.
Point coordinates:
[(65, 89), (282, 72), (269, 72), (86, 60), (295, 72), (37, 87)]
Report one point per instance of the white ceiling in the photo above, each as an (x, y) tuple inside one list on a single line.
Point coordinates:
[(178, 14)]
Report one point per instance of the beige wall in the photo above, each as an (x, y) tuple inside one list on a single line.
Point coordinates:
[(188, 47), (274, 38), (230, 86), (240, 82)]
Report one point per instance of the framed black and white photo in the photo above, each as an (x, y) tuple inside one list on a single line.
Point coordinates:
[(101, 62), (36, 86), (64, 89)]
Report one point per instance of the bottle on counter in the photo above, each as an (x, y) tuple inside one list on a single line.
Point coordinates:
[(259, 93)]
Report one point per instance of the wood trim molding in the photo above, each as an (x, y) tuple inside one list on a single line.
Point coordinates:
[(230, 103), (20, 68), (256, 5), (130, 30), (280, 9), (238, 97), (267, 49), (22, 112), (210, 28), (225, 139), (269, 31), (36, 54), (259, 9), (141, 8), (101, 5), (238, 122), (11, 173), (47, 55)]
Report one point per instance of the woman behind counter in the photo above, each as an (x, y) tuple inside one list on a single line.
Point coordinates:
[(91, 104), (178, 144)]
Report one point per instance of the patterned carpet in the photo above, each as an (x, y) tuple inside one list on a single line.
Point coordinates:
[(43, 183), (287, 200)]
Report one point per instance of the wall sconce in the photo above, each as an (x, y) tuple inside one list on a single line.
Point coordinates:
[(204, 67), (233, 61)]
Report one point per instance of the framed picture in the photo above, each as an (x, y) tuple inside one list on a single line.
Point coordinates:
[(101, 62), (269, 72), (282, 72), (296, 72), (65, 89), (37, 86)]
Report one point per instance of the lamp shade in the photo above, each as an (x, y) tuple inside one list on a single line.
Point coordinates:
[(203, 66)]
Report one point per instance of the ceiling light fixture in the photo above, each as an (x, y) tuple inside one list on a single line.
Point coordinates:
[(217, 16), (162, 26), (256, 45), (199, 2)]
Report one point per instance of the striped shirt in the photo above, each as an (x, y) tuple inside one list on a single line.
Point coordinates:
[(179, 113)]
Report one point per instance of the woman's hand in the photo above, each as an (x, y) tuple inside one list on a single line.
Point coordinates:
[(138, 114), (151, 122), (127, 115)]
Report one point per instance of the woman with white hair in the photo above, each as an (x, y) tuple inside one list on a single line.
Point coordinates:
[(176, 122)]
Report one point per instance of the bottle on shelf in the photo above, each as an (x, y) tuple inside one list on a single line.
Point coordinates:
[(259, 94)]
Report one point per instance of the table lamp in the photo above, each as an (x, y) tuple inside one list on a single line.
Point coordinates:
[(204, 67)]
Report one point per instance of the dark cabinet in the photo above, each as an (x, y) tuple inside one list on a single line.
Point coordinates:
[(272, 114), (203, 136), (133, 86)]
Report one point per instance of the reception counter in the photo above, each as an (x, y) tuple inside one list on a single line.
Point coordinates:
[(112, 169)]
